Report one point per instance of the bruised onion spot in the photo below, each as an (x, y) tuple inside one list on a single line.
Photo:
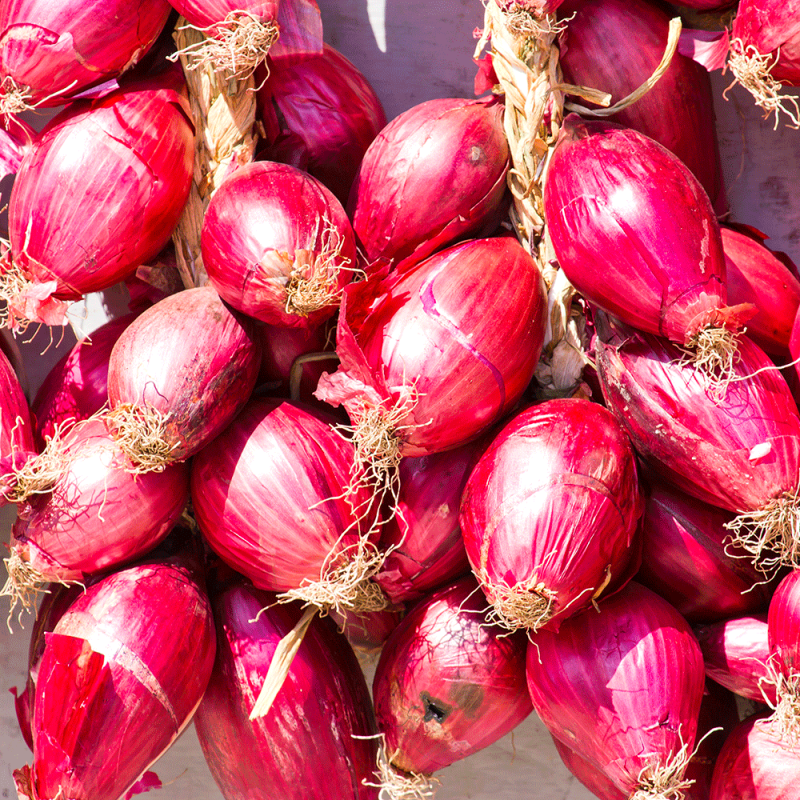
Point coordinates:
[(141, 433), (434, 709)]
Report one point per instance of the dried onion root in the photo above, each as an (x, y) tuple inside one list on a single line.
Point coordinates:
[(665, 781), (14, 98), (395, 784), (23, 586), (141, 434), (714, 353), (525, 606)]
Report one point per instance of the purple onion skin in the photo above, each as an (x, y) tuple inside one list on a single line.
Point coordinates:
[(305, 747), (110, 696), (188, 357), (772, 27), (621, 687), (736, 654), (667, 273), (687, 560), (555, 499), (457, 143), (435, 326), (265, 220), (698, 442), (615, 46), (756, 763), (56, 50), (17, 441), (269, 493), (447, 683), (784, 623), (321, 115)]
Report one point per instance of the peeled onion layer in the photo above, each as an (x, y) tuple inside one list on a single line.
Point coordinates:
[(549, 514)]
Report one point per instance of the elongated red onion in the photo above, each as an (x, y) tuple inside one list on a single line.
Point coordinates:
[(423, 538), (756, 763), (735, 447), (622, 688), (49, 51), (320, 115), (457, 143), (72, 229), (110, 696), (274, 497), (77, 385), (783, 626), (319, 722), (277, 245), (17, 443), (447, 685), (549, 514), (755, 275), (615, 46), (667, 273), (736, 654), (688, 559), (421, 358), (178, 374)]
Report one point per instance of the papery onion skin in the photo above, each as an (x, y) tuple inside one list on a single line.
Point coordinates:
[(263, 224), (98, 514), (17, 442), (189, 358), (615, 46), (622, 687), (554, 502), (270, 494), (594, 779), (698, 440), (667, 273), (783, 624), (424, 343), (452, 142), (110, 697), (688, 559), (448, 684), (56, 50), (772, 27), (736, 654), (321, 115), (74, 231), (756, 763), (318, 722)]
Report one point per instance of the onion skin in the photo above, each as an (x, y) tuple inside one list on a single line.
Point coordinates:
[(554, 502), (74, 231), (458, 143), (17, 443), (189, 358), (736, 654), (667, 276), (56, 50), (772, 27), (321, 115), (615, 46), (590, 776), (621, 687), (263, 223), (448, 684), (435, 325), (85, 523), (783, 624), (322, 706), (270, 494), (110, 698)]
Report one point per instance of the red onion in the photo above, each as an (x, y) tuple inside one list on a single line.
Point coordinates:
[(367, 632), (178, 374), (736, 447), (16, 137), (78, 520), (321, 115), (622, 688), (594, 779), (783, 625), (277, 245), (549, 514), (17, 443), (110, 696), (756, 763), (318, 722), (422, 363), (736, 654), (72, 229), (77, 386), (49, 51), (615, 46), (668, 272), (755, 275), (275, 498), (687, 558), (457, 143), (447, 685)]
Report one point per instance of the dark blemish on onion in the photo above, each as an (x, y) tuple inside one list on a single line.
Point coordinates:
[(434, 709)]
